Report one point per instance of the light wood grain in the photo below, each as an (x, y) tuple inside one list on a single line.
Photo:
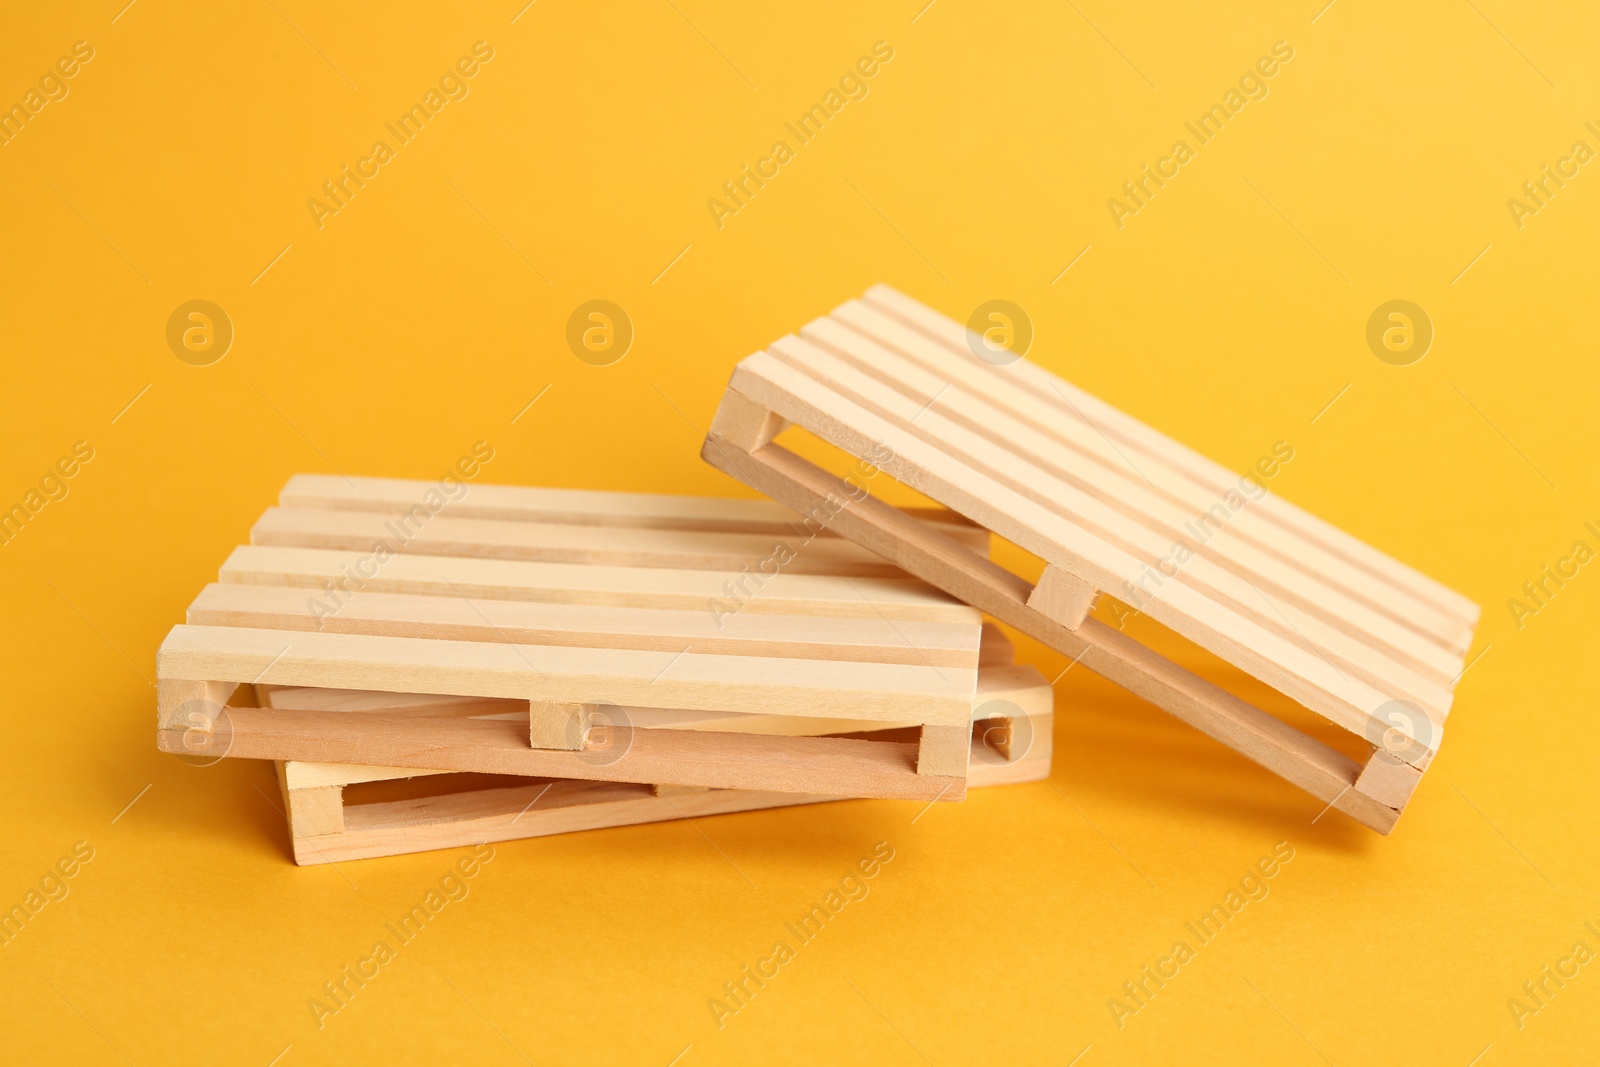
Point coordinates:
[(656, 511), (1304, 674), (1289, 649), (1222, 526), (866, 638), (1062, 597), (1133, 434), (444, 535), (744, 424), (690, 680), (1300, 759), (319, 571), (472, 814), (832, 765)]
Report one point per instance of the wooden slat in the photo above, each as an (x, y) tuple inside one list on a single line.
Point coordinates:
[(540, 809), (868, 639), (581, 507), (1304, 675), (1134, 434), (868, 691), (999, 684), (309, 775), (832, 766), (574, 583), (312, 698), (557, 543)]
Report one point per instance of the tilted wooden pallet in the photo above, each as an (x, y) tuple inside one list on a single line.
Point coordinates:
[(1112, 506), (597, 611), (1011, 742)]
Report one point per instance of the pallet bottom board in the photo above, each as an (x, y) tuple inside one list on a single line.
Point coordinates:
[(326, 827), (846, 766)]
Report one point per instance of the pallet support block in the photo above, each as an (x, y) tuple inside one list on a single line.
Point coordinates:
[(562, 726), (944, 750), (316, 812), (1388, 780), (745, 424), (664, 790), (1062, 597)]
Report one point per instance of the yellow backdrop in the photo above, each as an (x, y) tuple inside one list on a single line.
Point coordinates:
[(559, 153)]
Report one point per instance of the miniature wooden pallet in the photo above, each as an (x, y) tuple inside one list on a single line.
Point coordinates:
[(1338, 627), (1011, 742), (589, 608)]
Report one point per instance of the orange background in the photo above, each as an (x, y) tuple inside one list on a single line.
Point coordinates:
[(428, 312)]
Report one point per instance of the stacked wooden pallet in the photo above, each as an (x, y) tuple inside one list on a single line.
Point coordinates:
[(499, 662), (627, 657), (1113, 508)]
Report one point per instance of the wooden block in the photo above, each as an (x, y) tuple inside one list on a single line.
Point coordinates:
[(313, 812), (1109, 503), (1062, 597), (190, 705), (743, 423), (944, 750), (995, 650), (677, 790), (1388, 780), (563, 726)]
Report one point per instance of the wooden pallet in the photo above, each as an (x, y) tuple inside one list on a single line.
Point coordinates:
[(1328, 621), (596, 611), (328, 822)]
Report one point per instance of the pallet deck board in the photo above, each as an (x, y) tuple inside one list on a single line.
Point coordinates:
[(565, 674), (866, 638), (575, 583)]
